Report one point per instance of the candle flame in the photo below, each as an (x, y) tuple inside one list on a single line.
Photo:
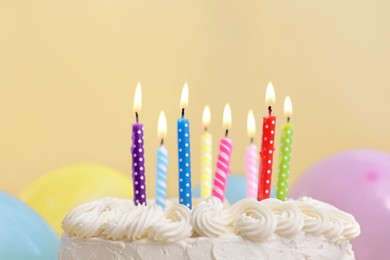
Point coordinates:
[(270, 95), (206, 117), (287, 106), (184, 96), (251, 124), (227, 117), (137, 99), (162, 126)]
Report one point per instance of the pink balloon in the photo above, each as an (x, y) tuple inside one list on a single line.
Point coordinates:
[(358, 182)]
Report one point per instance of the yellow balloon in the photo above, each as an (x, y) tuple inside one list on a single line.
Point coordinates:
[(53, 195)]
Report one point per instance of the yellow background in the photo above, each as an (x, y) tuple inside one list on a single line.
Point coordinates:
[(68, 71)]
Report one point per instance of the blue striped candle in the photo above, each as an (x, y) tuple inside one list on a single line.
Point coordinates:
[(161, 176), (162, 162), (184, 152)]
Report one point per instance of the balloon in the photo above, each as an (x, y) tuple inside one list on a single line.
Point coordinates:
[(235, 190), (23, 233), (53, 195), (359, 183)]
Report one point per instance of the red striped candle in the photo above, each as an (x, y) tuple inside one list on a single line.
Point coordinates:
[(267, 148), (223, 162)]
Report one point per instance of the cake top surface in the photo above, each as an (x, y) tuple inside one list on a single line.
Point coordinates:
[(120, 219)]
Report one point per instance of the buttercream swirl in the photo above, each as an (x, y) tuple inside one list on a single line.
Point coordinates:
[(89, 219), (350, 227), (209, 219), (289, 217), (119, 219), (174, 226), (133, 224), (252, 220)]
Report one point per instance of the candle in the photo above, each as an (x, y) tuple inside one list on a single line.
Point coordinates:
[(205, 158), (223, 162), (184, 151), (285, 152), (162, 162), (137, 151), (250, 159), (267, 148)]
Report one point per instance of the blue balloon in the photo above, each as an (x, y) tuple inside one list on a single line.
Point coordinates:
[(235, 190), (23, 233)]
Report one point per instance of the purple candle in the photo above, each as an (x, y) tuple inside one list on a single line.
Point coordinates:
[(137, 151)]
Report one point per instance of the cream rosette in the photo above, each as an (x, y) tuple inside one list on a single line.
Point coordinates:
[(173, 226), (252, 220), (289, 217), (209, 219)]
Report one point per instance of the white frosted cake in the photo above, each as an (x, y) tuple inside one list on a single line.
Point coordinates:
[(271, 229)]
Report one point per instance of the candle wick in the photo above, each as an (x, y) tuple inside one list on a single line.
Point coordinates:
[(205, 129), (288, 119), (270, 110), (136, 117), (251, 140), (226, 132), (182, 112), (162, 142)]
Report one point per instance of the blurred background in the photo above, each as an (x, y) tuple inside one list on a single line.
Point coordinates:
[(68, 72)]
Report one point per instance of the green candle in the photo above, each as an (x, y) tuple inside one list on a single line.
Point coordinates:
[(285, 153)]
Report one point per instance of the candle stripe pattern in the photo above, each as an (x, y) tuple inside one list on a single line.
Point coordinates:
[(206, 174), (266, 157), (223, 168), (137, 151), (250, 164), (284, 163), (185, 189), (161, 176)]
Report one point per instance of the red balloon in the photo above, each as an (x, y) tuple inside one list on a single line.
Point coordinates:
[(357, 182)]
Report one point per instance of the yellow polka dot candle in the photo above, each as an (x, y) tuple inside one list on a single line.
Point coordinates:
[(205, 158), (285, 153)]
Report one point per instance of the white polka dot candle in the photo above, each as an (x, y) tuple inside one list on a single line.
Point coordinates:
[(251, 159), (267, 148), (162, 162), (223, 162), (206, 175), (285, 153), (184, 151), (137, 151)]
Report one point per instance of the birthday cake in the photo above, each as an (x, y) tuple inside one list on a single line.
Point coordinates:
[(270, 229)]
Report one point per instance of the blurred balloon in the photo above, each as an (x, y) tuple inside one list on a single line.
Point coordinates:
[(53, 195), (23, 233), (359, 183), (235, 190)]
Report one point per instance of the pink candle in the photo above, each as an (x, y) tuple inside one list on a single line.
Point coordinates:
[(251, 159), (223, 162)]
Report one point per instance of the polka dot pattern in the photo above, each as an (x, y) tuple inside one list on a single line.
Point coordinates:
[(185, 191), (266, 157), (284, 163), (138, 165)]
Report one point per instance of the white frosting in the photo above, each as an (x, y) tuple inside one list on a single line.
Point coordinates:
[(302, 246), (271, 229), (116, 219)]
